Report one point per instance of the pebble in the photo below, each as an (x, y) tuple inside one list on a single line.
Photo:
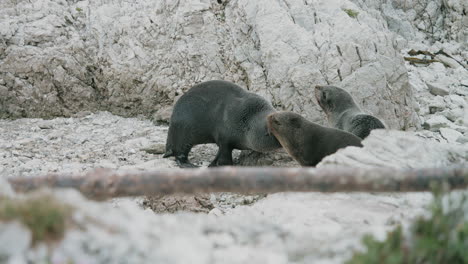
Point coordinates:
[(216, 212), (463, 140), (156, 149), (435, 90), (457, 100), (450, 135), (435, 122)]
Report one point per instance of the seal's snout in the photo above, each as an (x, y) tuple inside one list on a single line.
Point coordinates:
[(272, 123), (272, 120), (319, 89)]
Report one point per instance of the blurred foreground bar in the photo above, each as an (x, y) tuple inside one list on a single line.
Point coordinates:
[(103, 184)]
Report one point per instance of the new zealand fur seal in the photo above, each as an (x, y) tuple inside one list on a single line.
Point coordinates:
[(305, 141), (343, 113), (223, 113)]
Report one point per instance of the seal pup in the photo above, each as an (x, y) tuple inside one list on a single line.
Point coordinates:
[(343, 113), (223, 113), (305, 141)]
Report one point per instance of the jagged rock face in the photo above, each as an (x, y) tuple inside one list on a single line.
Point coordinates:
[(398, 149), (432, 19), (60, 57)]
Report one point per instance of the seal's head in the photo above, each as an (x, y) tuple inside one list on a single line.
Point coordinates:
[(307, 142), (281, 122), (287, 127), (333, 99)]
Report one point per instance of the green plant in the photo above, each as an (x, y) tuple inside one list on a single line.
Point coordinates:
[(351, 13), (79, 9), (43, 215), (441, 238)]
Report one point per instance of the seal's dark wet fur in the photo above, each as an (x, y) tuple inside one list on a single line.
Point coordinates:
[(343, 113), (305, 141)]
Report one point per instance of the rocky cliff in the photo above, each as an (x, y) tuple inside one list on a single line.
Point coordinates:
[(67, 58), (61, 57)]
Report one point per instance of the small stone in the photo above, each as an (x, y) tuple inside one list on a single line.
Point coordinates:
[(463, 139), (107, 164), (434, 123), (82, 114), (155, 149), (435, 109), (248, 200), (461, 129), (449, 134), (435, 90), (137, 143), (453, 114), (14, 247), (46, 125), (436, 104), (457, 100), (163, 114)]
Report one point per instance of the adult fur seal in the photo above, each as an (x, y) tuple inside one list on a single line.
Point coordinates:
[(223, 113), (343, 113), (305, 141)]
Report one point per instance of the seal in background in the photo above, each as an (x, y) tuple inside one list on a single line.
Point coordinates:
[(343, 113)]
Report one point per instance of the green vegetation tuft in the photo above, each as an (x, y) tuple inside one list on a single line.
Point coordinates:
[(79, 9), (351, 13), (43, 215), (442, 238)]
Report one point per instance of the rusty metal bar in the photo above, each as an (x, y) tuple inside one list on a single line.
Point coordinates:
[(102, 184)]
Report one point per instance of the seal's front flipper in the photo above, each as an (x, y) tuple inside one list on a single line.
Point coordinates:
[(168, 153), (183, 162), (223, 158)]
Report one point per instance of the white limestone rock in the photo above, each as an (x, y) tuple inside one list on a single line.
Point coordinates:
[(463, 140), (15, 241), (450, 135), (435, 122), (60, 58), (423, 19), (5, 187), (278, 229), (435, 90), (398, 149)]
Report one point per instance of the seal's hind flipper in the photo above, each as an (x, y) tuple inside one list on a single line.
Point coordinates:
[(186, 165), (183, 162), (168, 153)]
